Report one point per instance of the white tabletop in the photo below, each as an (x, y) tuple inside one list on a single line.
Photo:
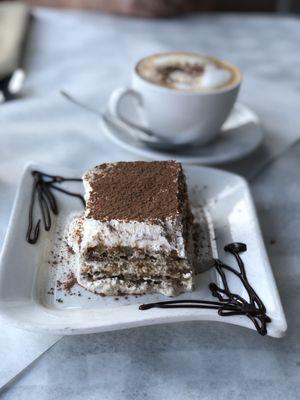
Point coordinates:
[(89, 55)]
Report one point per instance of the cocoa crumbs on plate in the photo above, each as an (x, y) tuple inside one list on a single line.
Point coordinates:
[(72, 280)]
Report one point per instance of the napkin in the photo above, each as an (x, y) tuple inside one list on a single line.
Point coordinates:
[(14, 17)]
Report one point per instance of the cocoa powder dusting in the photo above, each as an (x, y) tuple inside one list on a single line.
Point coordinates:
[(138, 191), (68, 285)]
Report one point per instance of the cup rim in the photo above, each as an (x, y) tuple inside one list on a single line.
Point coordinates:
[(234, 85)]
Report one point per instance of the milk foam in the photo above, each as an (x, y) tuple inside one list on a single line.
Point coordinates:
[(186, 72)]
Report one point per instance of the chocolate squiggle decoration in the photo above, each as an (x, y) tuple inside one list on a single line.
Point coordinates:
[(42, 191), (229, 303)]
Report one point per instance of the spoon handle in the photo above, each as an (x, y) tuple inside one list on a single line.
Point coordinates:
[(79, 103), (127, 127)]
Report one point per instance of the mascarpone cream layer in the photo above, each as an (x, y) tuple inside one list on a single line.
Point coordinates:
[(166, 237)]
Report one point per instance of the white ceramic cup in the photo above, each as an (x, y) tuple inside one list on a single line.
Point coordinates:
[(181, 117)]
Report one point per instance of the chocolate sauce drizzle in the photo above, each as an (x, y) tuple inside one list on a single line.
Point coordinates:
[(43, 184), (229, 303)]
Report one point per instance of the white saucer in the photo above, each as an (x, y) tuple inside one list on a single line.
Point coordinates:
[(241, 134)]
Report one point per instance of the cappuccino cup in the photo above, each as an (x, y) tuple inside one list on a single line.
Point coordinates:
[(184, 97)]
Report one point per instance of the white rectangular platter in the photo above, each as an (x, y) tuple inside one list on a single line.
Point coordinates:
[(32, 276)]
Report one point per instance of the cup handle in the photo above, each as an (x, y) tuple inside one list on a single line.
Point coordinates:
[(116, 98)]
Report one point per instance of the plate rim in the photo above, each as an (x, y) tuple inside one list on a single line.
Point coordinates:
[(280, 324)]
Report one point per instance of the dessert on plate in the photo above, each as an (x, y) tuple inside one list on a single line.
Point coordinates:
[(135, 236)]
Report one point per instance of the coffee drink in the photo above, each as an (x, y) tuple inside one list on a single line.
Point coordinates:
[(188, 72), (184, 98)]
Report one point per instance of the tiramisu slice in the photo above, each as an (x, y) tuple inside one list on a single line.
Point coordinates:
[(136, 234)]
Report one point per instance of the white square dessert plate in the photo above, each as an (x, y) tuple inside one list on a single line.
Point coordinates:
[(35, 292)]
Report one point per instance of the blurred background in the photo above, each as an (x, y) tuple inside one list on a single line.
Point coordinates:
[(15, 18), (153, 8)]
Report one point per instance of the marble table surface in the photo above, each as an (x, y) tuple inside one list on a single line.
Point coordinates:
[(89, 55)]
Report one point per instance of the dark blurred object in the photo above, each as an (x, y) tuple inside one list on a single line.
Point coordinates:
[(288, 6), (166, 8), (14, 19), (12, 85), (162, 8)]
